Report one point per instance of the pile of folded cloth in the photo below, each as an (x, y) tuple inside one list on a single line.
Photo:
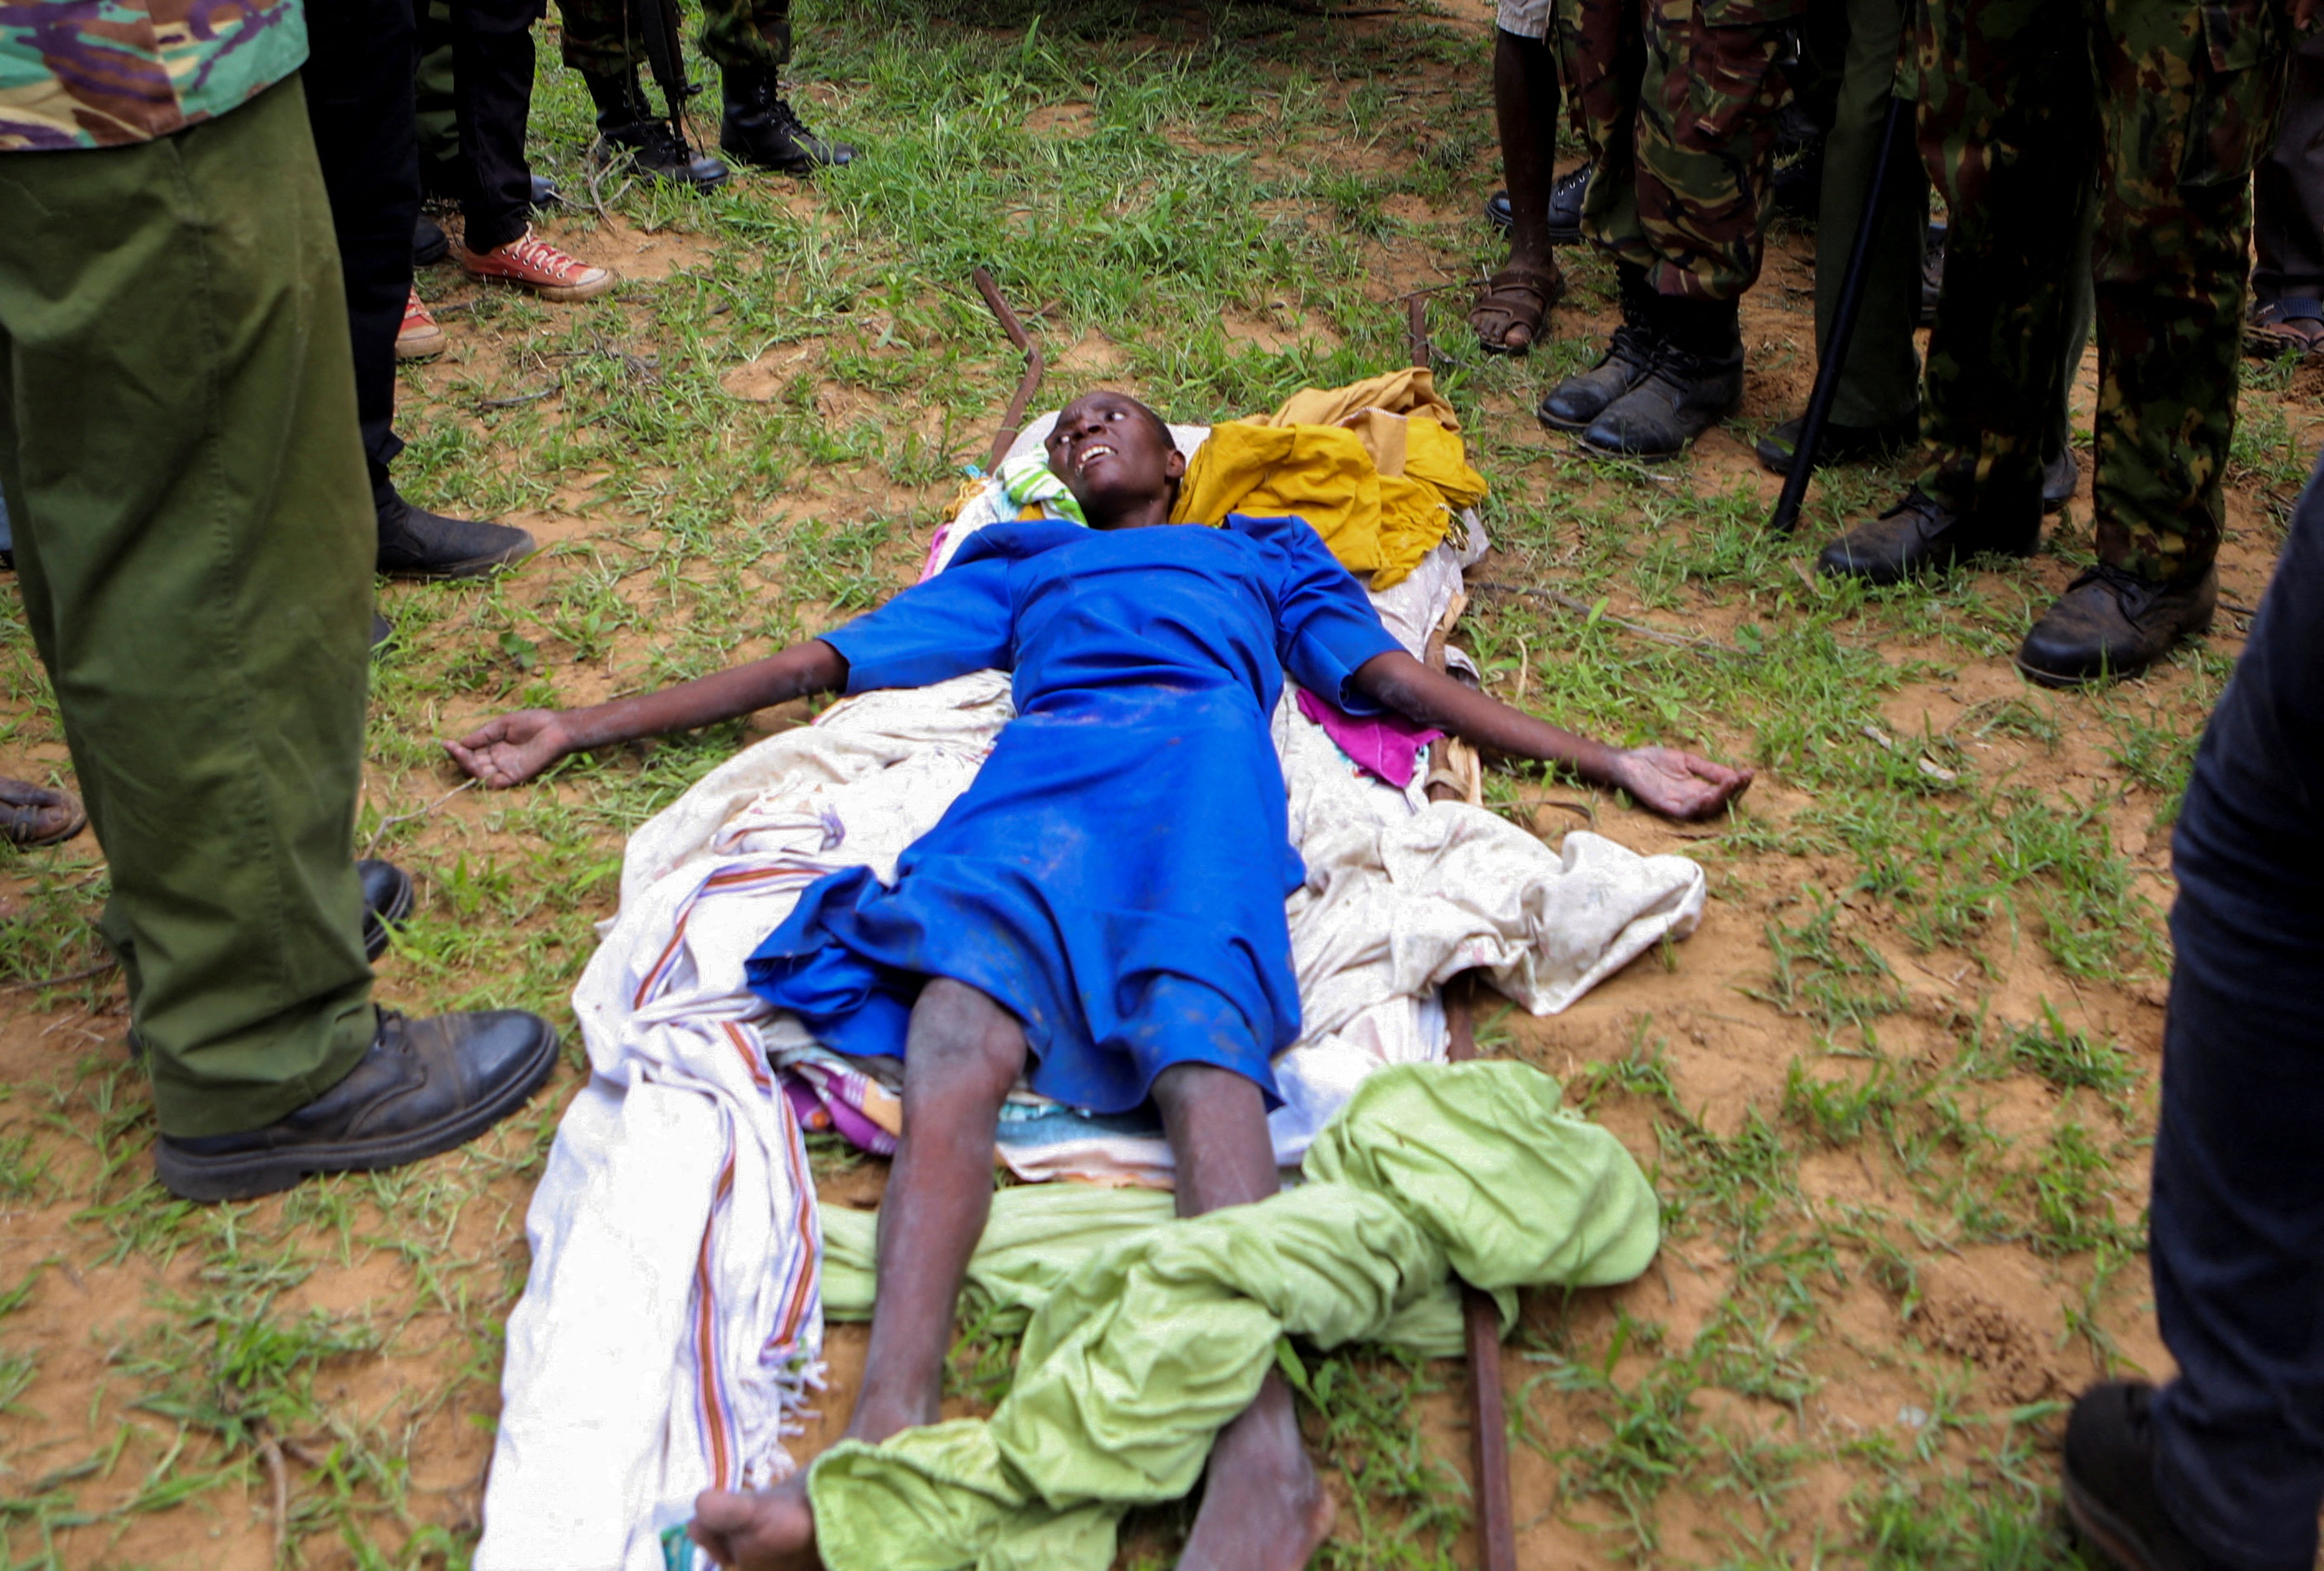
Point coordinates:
[(671, 1332)]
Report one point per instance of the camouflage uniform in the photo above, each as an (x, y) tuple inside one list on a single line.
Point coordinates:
[(2165, 104), (194, 530), (1678, 101), (601, 37)]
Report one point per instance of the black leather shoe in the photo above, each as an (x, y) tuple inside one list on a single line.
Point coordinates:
[(1920, 535), (1579, 400), (1841, 443), (544, 194), (414, 543), (387, 901), (2109, 1482), (2110, 624), (424, 1087), (2059, 475), (429, 241), (760, 127), (1683, 396)]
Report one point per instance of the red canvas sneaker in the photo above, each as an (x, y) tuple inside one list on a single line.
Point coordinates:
[(533, 263), (419, 338)]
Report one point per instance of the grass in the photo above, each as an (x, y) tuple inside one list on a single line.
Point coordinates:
[(1908, 1062)]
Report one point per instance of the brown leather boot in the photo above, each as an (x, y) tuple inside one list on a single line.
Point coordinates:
[(2111, 623)]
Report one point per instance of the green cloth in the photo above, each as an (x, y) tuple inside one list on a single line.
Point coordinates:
[(194, 538), (1137, 1351)]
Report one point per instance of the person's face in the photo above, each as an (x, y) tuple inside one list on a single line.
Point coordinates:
[(1111, 455)]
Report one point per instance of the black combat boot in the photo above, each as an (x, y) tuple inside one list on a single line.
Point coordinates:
[(760, 127), (628, 131), (1695, 381), (2111, 623), (1572, 404), (1920, 535), (414, 543)]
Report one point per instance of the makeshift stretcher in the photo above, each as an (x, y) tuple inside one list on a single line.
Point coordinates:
[(670, 1337)]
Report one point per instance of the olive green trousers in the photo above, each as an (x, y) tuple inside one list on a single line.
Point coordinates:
[(194, 542)]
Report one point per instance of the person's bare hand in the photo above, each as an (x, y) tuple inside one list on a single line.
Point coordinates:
[(512, 749), (1678, 784)]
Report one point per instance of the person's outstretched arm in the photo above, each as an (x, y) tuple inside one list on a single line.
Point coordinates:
[(1674, 784), (512, 749)]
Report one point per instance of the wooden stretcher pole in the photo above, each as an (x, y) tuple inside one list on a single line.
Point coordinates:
[(1026, 385), (1496, 1535)]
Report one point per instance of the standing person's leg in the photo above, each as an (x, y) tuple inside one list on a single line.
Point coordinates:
[(962, 1054), (600, 40), (2288, 216), (2061, 471), (358, 82), (1601, 54), (2007, 107), (751, 42), (194, 539), (1263, 1508), (1514, 306), (2167, 264), (492, 47), (1708, 100), (1876, 407), (2225, 1465)]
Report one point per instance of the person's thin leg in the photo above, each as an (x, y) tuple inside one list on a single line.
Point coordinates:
[(1513, 309), (1263, 1508), (961, 1056), (193, 540)]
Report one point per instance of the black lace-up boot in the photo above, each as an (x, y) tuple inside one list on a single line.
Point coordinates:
[(630, 133), (1695, 381), (761, 128)]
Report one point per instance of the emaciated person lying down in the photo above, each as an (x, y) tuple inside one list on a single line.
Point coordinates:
[(1104, 903)]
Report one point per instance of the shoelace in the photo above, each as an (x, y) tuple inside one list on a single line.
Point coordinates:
[(531, 251)]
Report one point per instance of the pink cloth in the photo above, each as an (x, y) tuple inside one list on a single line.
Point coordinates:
[(1385, 747)]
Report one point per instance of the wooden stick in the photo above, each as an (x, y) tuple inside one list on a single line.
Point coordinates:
[(1489, 1421), (1026, 385)]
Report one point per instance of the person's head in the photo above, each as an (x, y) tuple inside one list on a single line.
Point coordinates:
[(1116, 456)]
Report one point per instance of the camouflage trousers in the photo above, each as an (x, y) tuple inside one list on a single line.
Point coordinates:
[(1677, 100), (601, 37), (2165, 106)]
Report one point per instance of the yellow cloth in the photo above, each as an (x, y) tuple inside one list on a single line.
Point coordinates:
[(1376, 468)]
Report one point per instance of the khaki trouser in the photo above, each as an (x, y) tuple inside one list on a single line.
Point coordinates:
[(194, 542)]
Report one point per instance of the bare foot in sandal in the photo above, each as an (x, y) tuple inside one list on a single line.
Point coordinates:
[(2294, 322), (1509, 314)]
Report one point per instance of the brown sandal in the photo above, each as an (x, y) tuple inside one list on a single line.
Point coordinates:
[(1515, 297), (2296, 323), (33, 816)]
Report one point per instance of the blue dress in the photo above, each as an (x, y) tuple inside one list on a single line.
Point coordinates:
[(1115, 875)]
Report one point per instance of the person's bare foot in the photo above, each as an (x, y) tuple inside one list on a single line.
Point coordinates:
[(768, 1530)]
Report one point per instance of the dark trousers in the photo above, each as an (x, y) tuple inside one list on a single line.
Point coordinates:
[(358, 82), (491, 89), (2288, 189), (2237, 1218)]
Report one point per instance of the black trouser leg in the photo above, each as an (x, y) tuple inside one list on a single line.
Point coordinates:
[(359, 104), (2238, 1242), (491, 45), (2288, 189)]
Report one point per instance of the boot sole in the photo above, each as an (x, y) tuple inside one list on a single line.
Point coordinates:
[(2101, 1529), (266, 1172), (474, 567)]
